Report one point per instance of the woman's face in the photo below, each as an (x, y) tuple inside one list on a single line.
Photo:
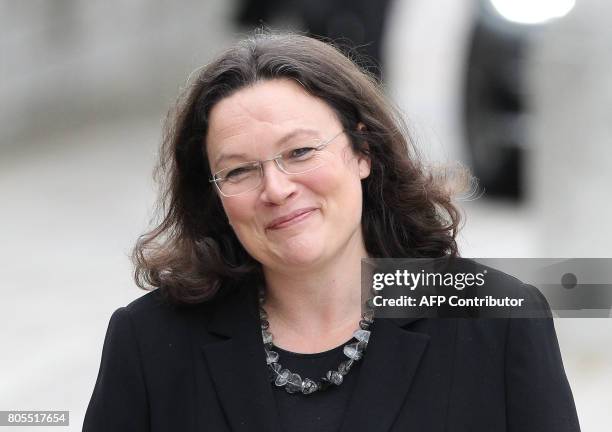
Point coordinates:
[(250, 125)]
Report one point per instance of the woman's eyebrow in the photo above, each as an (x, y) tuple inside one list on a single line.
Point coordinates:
[(294, 133), (297, 132), (223, 157)]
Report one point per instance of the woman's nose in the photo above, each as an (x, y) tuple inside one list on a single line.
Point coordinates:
[(277, 186)]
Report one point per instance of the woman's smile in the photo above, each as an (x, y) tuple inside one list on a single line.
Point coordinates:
[(291, 219)]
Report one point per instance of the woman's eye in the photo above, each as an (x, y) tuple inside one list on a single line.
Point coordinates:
[(302, 152), (238, 173)]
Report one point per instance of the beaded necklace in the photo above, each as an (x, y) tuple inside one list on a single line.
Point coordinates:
[(293, 382)]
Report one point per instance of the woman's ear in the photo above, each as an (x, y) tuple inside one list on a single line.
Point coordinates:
[(364, 161), (365, 166)]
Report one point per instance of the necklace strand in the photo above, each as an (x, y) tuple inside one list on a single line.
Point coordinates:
[(293, 382)]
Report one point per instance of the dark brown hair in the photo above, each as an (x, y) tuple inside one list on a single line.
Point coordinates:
[(193, 251)]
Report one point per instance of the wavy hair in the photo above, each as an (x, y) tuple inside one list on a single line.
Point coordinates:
[(193, 252)]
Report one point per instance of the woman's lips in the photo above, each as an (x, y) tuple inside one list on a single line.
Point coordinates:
[(290, 219)]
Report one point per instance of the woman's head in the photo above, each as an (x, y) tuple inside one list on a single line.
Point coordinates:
[(316, 182), (371, 189)]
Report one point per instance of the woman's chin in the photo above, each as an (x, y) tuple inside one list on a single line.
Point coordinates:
[(298, 252)]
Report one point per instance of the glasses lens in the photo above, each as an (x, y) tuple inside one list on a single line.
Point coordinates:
[(302, 157), (239, 179)]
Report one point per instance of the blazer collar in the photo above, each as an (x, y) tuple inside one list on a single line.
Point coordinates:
[(237, 365)]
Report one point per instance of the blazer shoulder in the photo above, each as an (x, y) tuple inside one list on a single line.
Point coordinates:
[(152, 314), (154, 302), (152, 299), (149, 303), (534, 303), (500, 284)]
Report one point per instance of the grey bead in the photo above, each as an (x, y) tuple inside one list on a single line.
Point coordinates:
[(265, 325), (334, 377), (282, 377), (271, 357), (266, 336), (364, 325), (294, 383), (368, 316), (353, 351), (308, 386), (263, 314), (273, 371), (345, 366), (370, 304), (362, 335)]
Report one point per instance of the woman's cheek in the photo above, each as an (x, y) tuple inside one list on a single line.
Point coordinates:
[(240, 218), (324, 181)]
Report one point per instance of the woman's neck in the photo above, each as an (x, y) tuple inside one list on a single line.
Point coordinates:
[(318, 310)]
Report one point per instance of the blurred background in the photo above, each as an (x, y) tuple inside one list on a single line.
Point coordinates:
[(518, 90)]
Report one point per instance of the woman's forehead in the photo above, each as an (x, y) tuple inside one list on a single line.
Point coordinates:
[(268, 111), (273, 101)]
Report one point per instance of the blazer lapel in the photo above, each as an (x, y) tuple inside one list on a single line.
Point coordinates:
[(389, 366), (237, 364)]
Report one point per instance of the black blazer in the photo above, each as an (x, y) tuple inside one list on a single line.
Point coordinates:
[(202, 368)]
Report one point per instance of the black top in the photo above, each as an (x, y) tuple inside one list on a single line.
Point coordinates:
[(321, 411), (201, 368)]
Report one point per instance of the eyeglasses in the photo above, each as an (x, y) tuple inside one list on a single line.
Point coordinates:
[(300, 157)]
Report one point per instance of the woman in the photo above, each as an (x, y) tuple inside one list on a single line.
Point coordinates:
[(284, 167)]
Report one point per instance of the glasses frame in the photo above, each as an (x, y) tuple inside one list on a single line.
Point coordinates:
[(277, 161)]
